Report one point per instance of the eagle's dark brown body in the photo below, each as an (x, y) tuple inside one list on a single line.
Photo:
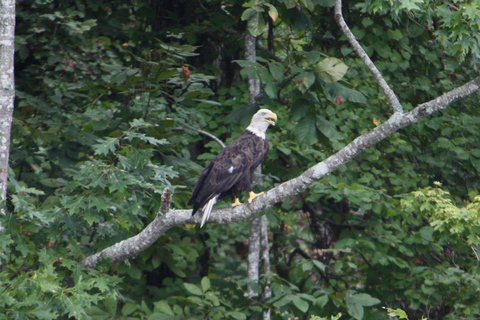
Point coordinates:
[(231, 170)]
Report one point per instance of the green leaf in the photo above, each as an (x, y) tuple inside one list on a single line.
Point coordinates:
[(319, 265), (205, 284), (328, 128), (179, 272), (277, 70), (475, 152), (338, 316), (306, 130), (237, 315), (290, 3), (167, 74), (355, 309), (308, 4), (397, 313), (322, 301), (304, 81), (301, 304), (336, 89), (356, 302), (256, 24), (128, 309), (139, 123), (330, 69), (395, 34), (326, 3), (106, 146), (213, 298), (286, 299), (135, 273), (134, 135), (366, 300), (44, 314), (162, 307), (159, 316), (272, 12), (248, 13), (410, 4), (119, 77), (193, 289)]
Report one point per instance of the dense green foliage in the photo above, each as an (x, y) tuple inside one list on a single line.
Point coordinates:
[(107, 116)]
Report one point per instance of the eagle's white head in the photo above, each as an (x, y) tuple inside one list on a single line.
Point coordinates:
[(260, 122)]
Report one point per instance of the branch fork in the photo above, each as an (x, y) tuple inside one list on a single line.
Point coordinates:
[(391, 97)]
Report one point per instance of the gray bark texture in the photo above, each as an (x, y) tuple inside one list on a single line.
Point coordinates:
[(7, 88), (163, 222), (254, 235), (392, 98), (267, 293)]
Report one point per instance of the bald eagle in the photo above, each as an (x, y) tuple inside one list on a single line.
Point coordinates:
[(230, 171)]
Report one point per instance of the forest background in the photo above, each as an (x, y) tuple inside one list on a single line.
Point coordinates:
[(110, 98)]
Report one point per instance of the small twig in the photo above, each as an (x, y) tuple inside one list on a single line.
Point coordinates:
[(281, 86), (392, 98), (475, 251), (220, 142), (270, 54), (96, 99), (166, 201), (205, 133), (364, 258)]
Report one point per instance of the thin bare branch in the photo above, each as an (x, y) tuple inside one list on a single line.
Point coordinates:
[(392, 98), (211, 136)]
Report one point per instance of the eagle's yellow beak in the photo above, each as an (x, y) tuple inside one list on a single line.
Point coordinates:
[(271, 118)]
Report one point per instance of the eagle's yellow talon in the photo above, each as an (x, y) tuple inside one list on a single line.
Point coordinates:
[(253, 195), (236, 203)]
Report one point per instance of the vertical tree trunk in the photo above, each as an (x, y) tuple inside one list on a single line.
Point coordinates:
[(255, 225), (7, 88), (267, 293), (258, 232)]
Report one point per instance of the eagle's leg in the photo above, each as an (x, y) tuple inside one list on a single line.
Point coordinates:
[(236, 203), (253, 195)]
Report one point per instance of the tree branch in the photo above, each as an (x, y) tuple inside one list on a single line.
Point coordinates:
[(392, 98), (135, 245), (131, 247), (211, 136)]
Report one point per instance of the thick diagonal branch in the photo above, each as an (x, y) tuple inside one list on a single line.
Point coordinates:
[(392, 98), (133, 246)]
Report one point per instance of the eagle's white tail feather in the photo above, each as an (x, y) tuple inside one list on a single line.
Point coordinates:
[(207, 209)]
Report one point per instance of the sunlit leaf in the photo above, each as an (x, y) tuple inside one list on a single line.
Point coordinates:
[(330, 69)]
